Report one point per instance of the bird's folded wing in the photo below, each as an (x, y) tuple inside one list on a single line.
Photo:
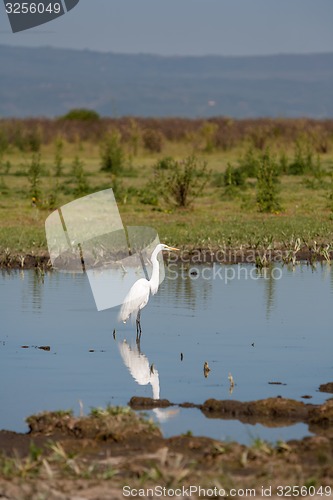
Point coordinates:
[(135, 300)]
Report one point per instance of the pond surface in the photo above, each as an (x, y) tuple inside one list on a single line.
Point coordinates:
[(261, 328)]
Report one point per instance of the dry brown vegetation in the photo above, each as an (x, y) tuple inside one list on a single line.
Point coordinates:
[(226, 133)]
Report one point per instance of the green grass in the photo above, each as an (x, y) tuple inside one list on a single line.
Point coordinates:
[(217, 218)]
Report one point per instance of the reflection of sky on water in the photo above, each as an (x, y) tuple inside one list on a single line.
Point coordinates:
[(288, 321), (121, 282)]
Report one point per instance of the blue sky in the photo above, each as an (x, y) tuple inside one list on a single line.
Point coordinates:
[(186, 27)]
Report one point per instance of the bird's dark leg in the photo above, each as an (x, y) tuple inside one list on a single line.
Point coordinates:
[(138, 328)]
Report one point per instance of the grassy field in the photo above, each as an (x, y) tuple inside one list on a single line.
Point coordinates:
[(62, 168)]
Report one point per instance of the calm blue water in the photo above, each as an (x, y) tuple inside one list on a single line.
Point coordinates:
[(257, 328)]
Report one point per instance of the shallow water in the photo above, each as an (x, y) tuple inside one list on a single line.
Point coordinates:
[(259, 328)]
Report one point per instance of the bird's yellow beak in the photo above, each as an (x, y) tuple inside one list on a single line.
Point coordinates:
[(173, 248)]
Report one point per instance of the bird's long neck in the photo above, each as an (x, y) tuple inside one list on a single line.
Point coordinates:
[(155, 275)]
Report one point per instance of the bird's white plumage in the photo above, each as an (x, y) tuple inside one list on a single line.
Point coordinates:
[(138, 296), (135, 300)]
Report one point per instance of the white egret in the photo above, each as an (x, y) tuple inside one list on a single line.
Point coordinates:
[(138, 296)]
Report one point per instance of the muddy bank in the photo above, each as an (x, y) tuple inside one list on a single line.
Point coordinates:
[(187, 256), (271, 412), (26, 261), (69, 458)]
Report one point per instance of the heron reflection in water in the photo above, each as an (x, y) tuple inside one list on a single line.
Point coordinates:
[(144, 374)]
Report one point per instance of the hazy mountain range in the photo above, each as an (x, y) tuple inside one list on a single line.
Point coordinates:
[(48, 82)]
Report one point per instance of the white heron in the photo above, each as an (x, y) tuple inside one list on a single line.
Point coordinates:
[(138, 296)]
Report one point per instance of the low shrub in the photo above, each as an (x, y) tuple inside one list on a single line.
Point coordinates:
[(234, 176), (267, 180), (58, 157), (35, 170), (112, 154), (81, 114), (249, 163), (79, 177), (181, 182), (303, 161)]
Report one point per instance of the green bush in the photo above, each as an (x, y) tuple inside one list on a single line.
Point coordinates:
[(149, 197), (267, 180), (181, 182), (112, 154), (58, 157), (35, 171), (283, 163), (79, 177), (234, 177), (249, 163), (81, 114), (166, 163), (303, 161)]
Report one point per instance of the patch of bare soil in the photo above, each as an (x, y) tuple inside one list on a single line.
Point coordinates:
[(114, 453)]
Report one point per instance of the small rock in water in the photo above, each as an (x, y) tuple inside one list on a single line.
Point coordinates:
[(44, 347), (326, 387)]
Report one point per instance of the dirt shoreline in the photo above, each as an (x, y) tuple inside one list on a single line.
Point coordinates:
[(94, 457), (187, 256), (271, 412)]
